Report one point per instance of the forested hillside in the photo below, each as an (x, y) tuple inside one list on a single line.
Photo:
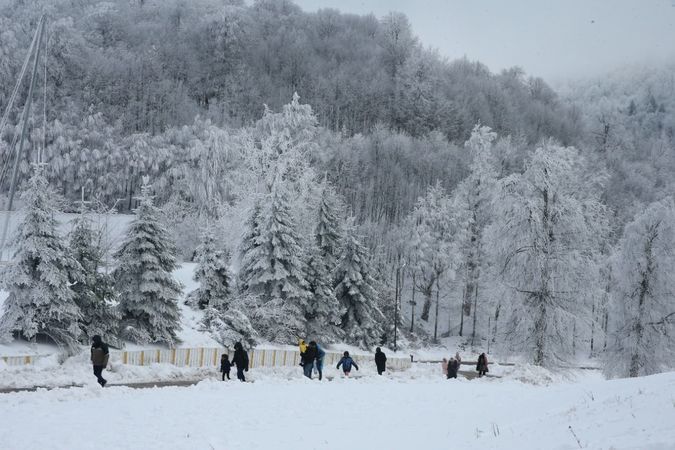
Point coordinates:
[(124, 77)]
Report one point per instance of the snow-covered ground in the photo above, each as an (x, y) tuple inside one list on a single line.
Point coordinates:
[(407, 410)]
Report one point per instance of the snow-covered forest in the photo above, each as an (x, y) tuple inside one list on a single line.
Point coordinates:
[(331, 176)]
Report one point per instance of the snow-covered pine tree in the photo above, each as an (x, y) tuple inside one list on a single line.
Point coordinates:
[(324, 310), (248, 248), (328, 229), (272, 269), (212, 274), (143, 277), (642, 310), (544, 239), (362, 320), (94, 293), (40, 298), (230, 326)]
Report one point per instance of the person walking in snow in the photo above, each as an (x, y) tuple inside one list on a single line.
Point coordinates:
[(453, 368), (444, 366), (225, 366), (302, 346), (307, 360), (320, 355), (458, 358), (380, 361), (482, 365), (99, 358), (347, 362), (240, 359)]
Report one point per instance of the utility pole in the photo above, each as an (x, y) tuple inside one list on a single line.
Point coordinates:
[(412, 304), (24, 127), (397, 298), (396, 295)]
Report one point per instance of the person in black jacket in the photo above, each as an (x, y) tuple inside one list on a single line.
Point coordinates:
[(453, 368), (482, 365), (225, 366), (308, 359), (99, 358), (380, 361), (240, 359)]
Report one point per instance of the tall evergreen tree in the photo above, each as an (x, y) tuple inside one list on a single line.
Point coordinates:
[(94, 293), (212, 274), (328, 228), (41, 300), (273, 270), (324, 309), (250, 242), (148, 292), (362, 320)]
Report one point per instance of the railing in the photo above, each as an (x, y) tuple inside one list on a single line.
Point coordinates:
[(20, 360), (210, 357)]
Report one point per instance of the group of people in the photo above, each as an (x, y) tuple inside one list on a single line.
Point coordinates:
[(239, 359), (451, 367), (311, 357)]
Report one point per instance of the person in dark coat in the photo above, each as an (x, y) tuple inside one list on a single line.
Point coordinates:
[(225, 366), (453, 368), (482, 365), (240, 359), (302, 345), (320, 355), (307, 359), (99, 358), (347, 362), (380, 361)]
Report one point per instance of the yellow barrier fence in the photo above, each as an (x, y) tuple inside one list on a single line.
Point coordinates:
[(210, 357), (19, 360)]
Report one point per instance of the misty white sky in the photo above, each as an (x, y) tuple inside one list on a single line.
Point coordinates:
[(555, 39)]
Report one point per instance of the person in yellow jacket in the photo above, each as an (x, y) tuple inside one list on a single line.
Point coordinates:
[(303, 348)]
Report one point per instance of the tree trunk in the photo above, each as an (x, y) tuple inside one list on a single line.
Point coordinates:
[(638, 326), (412, 305), (436, 318), (471, 264), (494, 332), (427, 291), (592, 326), (542, 296), (461, 314), (470, 286), (475, 303), (540, 334)]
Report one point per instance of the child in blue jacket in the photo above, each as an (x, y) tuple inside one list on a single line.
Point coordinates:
[(347, 362)]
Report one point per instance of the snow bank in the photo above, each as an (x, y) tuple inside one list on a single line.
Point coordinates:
[(372, 412)]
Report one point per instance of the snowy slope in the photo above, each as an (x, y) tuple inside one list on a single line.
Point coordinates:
[(374, 412)]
